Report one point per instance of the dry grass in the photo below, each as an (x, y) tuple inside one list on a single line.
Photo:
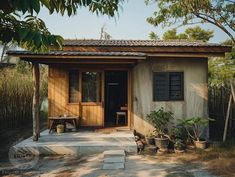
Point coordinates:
[(218, 160)]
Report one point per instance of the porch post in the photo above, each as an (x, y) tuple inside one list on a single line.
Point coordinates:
[(35, 107)]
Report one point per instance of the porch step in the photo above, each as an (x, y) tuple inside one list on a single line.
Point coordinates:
[(80, 143), (114, 160)]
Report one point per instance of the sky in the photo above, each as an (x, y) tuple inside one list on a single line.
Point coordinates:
[(129, 24)]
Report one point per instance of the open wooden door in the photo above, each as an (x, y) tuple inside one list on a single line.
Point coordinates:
[(91, 107)]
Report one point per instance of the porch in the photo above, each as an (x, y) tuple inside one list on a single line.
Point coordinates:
[(78, 143)]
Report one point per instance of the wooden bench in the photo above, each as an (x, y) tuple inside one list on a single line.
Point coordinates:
[(54, 121)]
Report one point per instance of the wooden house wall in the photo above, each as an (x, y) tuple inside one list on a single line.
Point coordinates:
[(90, 113)]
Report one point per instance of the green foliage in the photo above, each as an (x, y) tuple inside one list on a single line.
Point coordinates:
[(195, 126), (179, 144), (191, 34), (220, 13), (222, 69), (19, 21), (160, 120), (198, 33), (153, 36)]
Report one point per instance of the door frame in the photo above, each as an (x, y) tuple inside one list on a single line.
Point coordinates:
[(129, 94), (103, 70)]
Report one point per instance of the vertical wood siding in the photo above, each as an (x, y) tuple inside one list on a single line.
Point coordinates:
[(91, 115)]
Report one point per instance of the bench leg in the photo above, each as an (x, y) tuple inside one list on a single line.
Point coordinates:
[(51, 122)]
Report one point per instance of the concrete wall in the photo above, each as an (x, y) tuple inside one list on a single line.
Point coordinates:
[(195, 89)]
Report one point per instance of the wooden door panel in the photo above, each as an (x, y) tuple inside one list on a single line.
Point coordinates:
[(92, 115)]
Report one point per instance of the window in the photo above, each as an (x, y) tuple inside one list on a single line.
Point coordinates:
[(73, 86), (168, 86), (91, 87)]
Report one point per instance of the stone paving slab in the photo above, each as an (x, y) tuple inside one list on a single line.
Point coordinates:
[(114, 159), (113, 166), (114, 153)]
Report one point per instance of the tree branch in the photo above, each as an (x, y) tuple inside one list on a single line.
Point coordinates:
[(214, 22)]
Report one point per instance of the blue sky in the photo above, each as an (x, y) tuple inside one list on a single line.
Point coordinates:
[(131, 23)]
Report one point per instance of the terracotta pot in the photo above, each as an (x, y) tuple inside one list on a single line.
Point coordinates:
[(179, 150), (200, 144), (150, 141), (162, 143)]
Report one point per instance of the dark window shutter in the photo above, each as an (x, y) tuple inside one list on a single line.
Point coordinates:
[(176, 88), (161, 86)]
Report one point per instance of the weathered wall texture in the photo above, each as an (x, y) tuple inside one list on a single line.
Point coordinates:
[(195, 89)]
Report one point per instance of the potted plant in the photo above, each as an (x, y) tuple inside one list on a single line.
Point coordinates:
[(160, 120), (150, 138), (195, 127), (179, 137), (179, 145)]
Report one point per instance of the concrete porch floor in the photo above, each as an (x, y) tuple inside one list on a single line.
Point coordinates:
[(79, 143)]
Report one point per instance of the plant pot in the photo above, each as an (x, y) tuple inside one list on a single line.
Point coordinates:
[(179, 150), (60, 128), (150, 141), (200, 144), (162, 143)]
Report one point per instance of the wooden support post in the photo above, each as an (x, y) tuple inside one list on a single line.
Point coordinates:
[(232, 90), (231, 98), (227, 118), (35, 108)]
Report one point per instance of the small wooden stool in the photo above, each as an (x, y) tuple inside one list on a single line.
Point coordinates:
[(121, 114)]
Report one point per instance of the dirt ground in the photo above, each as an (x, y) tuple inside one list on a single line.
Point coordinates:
[(198, 164), (10, 137), (136, 165)]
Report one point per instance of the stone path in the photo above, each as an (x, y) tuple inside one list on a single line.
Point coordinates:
[(114, 160)]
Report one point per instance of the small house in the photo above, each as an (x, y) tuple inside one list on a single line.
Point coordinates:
[(109, 83)]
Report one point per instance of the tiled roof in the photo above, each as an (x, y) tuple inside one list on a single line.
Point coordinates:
[(77, 53), (135, 43)]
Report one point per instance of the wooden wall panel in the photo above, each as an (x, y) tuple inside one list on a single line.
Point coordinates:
[(92, 115), (58, 94)]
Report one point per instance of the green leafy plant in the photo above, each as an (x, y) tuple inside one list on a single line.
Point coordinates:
[(195, 126), (160, 120), (19, 22), (179, 144)]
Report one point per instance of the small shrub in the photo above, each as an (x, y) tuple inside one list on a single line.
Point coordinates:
[(160, 120)]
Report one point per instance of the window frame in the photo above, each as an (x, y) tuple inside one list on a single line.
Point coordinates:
[(81, 82), (154, 97)]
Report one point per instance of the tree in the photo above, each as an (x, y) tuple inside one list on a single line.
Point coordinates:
[(191, 34), (198, 33), (222, 69), (153, 36), (172, 34), (19, 21), (220, 13)]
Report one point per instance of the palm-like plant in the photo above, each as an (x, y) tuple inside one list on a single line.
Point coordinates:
[(195, 126)]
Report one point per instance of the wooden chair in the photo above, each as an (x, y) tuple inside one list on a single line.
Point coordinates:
[(121, 114)]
